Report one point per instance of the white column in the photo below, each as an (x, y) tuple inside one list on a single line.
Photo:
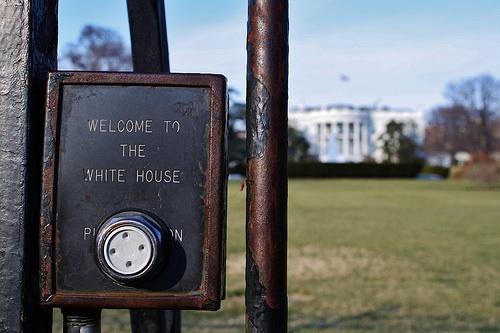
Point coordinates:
[(365, 139), (357, 141), (345, 140), (320, 141), (317, 138), (327, 140), (324, 142)]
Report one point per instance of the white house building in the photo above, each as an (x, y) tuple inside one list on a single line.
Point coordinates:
[(344, 133)]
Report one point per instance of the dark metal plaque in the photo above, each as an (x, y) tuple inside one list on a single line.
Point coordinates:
[(132, 142)]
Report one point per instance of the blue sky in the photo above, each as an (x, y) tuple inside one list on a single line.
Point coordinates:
[(395, 52)]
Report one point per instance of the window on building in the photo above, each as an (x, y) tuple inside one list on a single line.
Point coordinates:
[(339, 138)]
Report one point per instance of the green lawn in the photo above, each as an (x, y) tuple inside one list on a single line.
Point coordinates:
[(373, 256)]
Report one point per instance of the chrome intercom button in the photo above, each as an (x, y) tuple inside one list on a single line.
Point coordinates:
[(130, 246)]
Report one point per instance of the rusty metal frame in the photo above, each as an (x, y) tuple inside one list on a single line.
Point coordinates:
[(213, 282)]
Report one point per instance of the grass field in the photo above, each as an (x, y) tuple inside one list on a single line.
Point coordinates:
[(373, 256)]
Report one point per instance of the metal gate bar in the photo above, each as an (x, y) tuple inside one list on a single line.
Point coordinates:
[(148, 34), (28, 50), (267, 99)]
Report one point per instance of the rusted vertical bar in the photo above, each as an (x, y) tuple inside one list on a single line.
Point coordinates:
[(148, 34), (267, 98), (28, 50)]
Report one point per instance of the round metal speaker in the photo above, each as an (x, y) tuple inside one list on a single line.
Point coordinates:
[(130, 247)]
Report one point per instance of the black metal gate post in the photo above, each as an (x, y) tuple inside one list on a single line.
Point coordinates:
[(28, 50), (148, 34), (267, 126), (82, 321)]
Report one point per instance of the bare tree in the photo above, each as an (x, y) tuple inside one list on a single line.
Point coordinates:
[(480, 98), (496, 135), (98, 49), (450, 129)]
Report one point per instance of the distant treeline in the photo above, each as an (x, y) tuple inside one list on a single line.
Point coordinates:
[(355, 170)]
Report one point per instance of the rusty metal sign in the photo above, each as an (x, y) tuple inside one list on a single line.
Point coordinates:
[(134, 155)]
